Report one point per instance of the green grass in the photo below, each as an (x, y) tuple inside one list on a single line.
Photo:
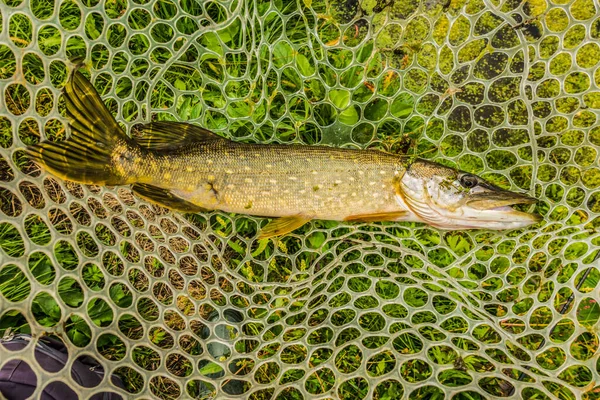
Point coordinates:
[(14, 285), (11, 240)]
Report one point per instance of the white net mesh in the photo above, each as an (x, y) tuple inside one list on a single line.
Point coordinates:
[(195, 306)]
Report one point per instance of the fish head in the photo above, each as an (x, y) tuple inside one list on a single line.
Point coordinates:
[(447, 198)]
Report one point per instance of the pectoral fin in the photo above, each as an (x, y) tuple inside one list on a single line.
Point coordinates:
[(391, 216), (281, 226), (164, 198)]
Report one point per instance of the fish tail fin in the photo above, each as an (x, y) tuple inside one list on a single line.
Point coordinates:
[(98, 151)]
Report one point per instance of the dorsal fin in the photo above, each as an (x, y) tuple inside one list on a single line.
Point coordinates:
[(168, 133)]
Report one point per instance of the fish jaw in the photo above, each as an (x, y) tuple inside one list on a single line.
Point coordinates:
[(492, 210), (492, 197), (499, 218), (465, 217)]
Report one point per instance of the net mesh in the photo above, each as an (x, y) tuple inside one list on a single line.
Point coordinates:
[(194, 305)]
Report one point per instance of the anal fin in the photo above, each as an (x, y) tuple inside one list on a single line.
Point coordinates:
[(390, 216), (164, 198), (281, 226)]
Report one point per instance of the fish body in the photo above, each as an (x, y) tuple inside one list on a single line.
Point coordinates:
[(187, 168), (317, 182)]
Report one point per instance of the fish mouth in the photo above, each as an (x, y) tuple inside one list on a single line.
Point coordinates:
[(501, 201), (498, 200)]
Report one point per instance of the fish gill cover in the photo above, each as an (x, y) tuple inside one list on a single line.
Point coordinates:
[(194, 305)]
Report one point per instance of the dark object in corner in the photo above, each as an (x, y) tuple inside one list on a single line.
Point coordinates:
[(18, 381)]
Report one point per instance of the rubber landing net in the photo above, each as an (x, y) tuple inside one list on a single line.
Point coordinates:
[(173, 305)]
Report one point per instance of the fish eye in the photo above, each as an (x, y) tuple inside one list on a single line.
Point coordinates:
[(468, 181)]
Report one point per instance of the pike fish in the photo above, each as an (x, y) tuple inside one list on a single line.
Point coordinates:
[(187, 168)]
